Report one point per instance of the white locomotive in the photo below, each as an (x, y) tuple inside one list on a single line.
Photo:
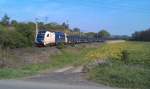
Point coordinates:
[(45, 38)]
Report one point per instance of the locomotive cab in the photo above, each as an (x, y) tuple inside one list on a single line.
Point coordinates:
[(45, 38)]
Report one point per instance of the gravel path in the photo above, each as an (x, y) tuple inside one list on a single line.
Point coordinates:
[(65, 78)]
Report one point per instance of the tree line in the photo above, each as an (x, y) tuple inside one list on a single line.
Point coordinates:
[(141, 35), (15, 34)]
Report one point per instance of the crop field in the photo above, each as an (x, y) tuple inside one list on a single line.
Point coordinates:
[(131, 71)]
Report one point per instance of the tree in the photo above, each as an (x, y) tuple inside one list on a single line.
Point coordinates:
[(76, 29), (14, 22), (54, 27), (91, 34), (104, 34), (27, 30), (12, 39), (5, 20), (141, 35), (66, 26)]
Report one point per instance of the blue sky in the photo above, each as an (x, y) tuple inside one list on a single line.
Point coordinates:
[(120, 17)]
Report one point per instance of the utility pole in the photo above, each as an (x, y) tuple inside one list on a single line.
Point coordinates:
[(37, 29), (66, 28), (46, 20), (97, 36), (67, 22)]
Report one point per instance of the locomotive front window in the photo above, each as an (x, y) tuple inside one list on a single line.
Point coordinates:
[(47, 35), (41, 35)]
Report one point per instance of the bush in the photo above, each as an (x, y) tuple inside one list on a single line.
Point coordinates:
[(125, 56), (12, 39), (141, 35), (60, 45), (27, 31), (108, 51)]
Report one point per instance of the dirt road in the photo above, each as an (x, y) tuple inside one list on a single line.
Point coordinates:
[(65, 78)]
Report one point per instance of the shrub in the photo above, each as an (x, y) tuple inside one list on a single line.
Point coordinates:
[(60, 46), (125, 56), (108, 51), (27, 31), (12, 39)]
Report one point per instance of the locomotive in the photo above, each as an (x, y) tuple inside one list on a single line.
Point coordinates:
[(45, 38)]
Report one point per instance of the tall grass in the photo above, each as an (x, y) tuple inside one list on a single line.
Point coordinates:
[(69, 56), (134, 75)]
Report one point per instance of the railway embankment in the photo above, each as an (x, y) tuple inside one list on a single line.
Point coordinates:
[(22, 62)]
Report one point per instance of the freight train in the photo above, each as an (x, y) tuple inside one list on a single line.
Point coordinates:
[(45, 38)]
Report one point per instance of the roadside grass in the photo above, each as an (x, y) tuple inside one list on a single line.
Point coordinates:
[(134, 75), (71, 56), (68, 56), (115, 72), (121, 75), (11, 73)]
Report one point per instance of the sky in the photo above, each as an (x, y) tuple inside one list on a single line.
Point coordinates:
[(119, 17)]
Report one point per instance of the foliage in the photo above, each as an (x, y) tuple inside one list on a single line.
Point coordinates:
[(135, 75), (76, 30), (65, 25), (5, 20), (14, 23), (15, 34), (141, 35), (125, 56), (91, 35), (104, 34), (121, 75), (108, 51), (68, 56), (12, 39), (60, 45), (27, 30), (21, 34)]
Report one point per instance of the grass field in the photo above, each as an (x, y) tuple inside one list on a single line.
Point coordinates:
[(134, 74), (68, 56)]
